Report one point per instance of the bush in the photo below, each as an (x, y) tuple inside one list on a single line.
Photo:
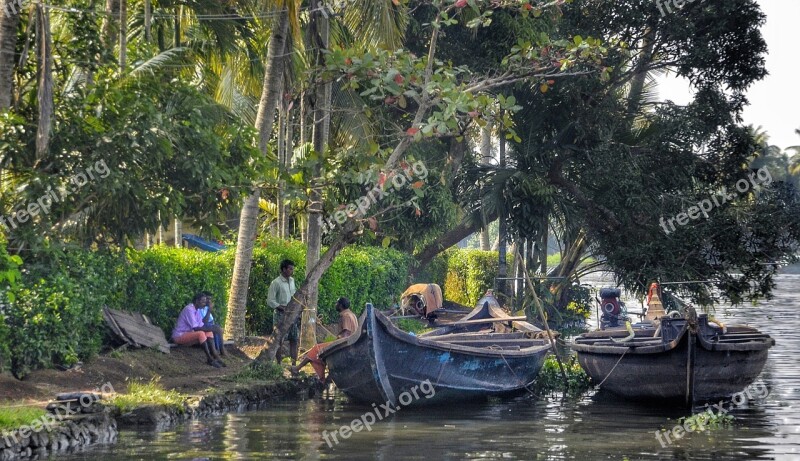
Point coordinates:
[(469, 274), (56, 316), (550, 379)]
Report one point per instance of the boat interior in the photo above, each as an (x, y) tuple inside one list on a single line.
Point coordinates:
[(496, 341)]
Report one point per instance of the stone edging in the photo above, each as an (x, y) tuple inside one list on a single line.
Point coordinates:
[(100, 424)]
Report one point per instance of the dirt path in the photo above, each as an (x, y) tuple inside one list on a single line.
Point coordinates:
[(183, 369)]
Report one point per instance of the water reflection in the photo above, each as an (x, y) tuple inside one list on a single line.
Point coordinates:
[(593, 428)]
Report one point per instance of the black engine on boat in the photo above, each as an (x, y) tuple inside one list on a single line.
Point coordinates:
[(614, 312)]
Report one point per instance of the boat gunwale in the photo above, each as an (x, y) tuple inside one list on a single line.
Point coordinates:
[(764, 343), (437, 344)]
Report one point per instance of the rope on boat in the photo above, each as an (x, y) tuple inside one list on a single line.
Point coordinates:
[(615, 366), (496, 347)]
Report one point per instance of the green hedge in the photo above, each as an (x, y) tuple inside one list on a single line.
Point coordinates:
[(469, 274), (56, 316)]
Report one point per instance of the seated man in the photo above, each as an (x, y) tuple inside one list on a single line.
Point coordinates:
[(189, 330), (208, 322), (348, 324)]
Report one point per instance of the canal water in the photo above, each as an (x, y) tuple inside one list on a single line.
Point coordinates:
[(594, 427)]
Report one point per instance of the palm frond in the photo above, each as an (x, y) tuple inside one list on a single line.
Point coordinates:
[(158, 62)]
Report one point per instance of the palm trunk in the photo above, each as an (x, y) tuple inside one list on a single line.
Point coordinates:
[(176, 33), (9, 22), (45, 71), (486, 159), (148, 21), (270, 95), (110, 24), (276, 230), (321, 32), (502, 265), (123, 35)]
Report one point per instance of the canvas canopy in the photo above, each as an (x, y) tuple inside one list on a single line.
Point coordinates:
[(430, 294)]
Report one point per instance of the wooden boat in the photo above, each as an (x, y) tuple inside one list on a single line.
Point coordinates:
[(380, 363), (691, 361), (487, 315)]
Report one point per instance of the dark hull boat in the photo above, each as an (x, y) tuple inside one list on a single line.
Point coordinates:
[(381, 363), (691, 361)]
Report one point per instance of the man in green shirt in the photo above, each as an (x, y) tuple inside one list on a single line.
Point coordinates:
[(280, 294)]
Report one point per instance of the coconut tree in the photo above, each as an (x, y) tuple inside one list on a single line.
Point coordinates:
[(9, 23)]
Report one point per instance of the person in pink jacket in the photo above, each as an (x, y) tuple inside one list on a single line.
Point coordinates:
[(190, 330)]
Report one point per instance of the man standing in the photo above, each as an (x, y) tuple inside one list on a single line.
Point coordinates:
[(280, 294)]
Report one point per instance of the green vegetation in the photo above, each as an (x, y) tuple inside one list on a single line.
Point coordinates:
[(56, 317), (550, 380), (16, 417), (469, 273), (413, 326), (707, 420), (149, 393), (257, 372)]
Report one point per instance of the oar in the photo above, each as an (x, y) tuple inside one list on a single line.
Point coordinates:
[(479, 321)]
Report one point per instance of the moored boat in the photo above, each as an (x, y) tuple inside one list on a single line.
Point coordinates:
[(686, 358), (380, 363)]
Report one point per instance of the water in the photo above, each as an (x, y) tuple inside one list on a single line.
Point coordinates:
[(593, 428)]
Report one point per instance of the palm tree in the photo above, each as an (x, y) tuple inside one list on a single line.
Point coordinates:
[(248, 222), (9, 22)]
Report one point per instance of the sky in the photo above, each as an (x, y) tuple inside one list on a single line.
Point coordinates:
[(774, 101)]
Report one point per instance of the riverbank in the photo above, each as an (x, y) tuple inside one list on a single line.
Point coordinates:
[(178, 386)]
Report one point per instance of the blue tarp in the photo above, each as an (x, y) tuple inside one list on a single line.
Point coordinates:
[(203, 244)]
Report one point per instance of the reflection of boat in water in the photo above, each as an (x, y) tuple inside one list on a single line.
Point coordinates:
[(381, 362), (682, 358)]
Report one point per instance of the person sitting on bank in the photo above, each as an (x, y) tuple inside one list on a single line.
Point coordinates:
[(190, 330), (208, 322), (279, 295), (348, 324)]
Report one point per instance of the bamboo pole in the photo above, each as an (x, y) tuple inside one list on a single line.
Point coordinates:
[(546, 325)]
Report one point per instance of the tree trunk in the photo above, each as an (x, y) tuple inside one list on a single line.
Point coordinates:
[(502, 265), (320, 31), (148, 21), (110, 25), (287, 160), (463, 230), (45, 71), (270, 95), (176, 33), (276, 230), (9, 22), (123, 35), (486, 159)]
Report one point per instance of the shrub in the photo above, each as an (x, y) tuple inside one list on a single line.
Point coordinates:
[(550, 379), (56, 316), (469, 274), (267, 258)]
